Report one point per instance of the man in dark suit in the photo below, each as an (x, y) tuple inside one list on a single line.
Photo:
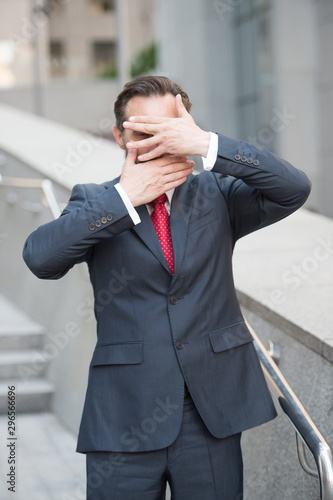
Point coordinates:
[(174, 378)]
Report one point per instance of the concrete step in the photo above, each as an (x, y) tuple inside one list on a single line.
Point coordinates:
[(23, 364), (31, 396), (17, 329), (21, 340)]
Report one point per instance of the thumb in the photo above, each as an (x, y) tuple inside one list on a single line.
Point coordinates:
[(181, 110)]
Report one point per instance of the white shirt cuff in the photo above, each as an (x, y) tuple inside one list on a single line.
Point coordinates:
[(131, 210), (210, 160)]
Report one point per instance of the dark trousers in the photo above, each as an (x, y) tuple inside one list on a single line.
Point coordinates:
[(197, 466)]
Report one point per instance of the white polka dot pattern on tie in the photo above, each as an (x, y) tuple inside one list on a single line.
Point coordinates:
[(161, 222)]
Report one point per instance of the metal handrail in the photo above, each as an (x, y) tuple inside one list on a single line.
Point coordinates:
[(44, 184), (312, 471), (306, 430)]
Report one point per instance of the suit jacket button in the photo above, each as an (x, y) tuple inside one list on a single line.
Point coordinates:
[(98, 223), (109, 217), (237, 157), (104, 220), (179, 345), (92, 227), (255, 162), (249, 161), (173, 300), (243, 158)]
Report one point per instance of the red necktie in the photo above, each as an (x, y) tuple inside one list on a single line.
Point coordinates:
[(161, 222)]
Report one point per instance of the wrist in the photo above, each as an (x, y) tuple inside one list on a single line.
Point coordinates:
[(128, 203), (126, 191), (203, 144)]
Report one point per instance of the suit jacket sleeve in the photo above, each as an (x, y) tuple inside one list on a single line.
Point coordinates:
[(260, 188), (92, 214)]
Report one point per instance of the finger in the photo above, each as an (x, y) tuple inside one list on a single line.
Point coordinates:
[(174, 177), (181, 110), (178, 167), (144, 143), (154, 153), (147, 119), (144, 127), (175, 183)]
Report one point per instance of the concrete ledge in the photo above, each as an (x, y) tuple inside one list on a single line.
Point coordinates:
[(60, 153), (284, 274)]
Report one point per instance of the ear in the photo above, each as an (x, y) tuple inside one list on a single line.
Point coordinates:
[(118, 137)]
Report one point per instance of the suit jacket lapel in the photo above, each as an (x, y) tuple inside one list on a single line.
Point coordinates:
[(181, 209), (147, 233)]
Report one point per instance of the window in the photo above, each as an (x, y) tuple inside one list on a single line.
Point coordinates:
[(58, 64), (104, 58), (100, 6)]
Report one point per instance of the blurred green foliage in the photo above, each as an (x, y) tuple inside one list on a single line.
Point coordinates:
[(143, 62), (109, 71)]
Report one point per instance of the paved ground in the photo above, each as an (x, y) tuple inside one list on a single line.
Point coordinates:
[(47, 466)]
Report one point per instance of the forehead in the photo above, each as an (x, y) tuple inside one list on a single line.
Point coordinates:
[(153, 106)]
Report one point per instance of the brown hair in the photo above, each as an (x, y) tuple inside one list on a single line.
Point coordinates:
[(146, 86)]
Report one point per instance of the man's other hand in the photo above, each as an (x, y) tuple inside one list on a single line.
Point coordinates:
[(143, 182), (172, 136)]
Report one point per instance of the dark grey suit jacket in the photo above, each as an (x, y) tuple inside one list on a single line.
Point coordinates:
[(154, 329)]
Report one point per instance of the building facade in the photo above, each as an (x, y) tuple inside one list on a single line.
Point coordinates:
[(60, 58), (259, 70)]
